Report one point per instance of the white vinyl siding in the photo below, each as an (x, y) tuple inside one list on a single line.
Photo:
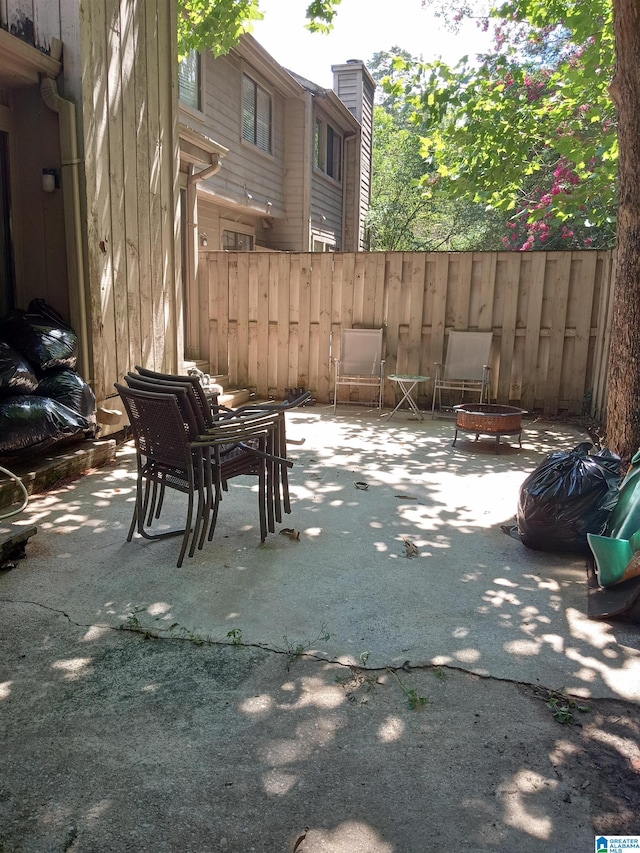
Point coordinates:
[(256, 114)]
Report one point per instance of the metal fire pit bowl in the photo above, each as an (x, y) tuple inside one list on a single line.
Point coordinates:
[(489, 419)]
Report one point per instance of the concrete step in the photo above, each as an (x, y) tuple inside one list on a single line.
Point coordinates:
[(44, 470), (233, 398)]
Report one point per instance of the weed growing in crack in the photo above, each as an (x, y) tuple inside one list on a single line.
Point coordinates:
[(182, 633), (235, 635), (414, 700), (133, 624), (562, 708), (295, 652), (357, 681)]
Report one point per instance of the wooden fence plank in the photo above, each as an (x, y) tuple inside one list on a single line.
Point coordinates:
[(559, 287), (242, 317), (532, 329), (489, 264), (130, 47), (416, 299), (358, 290), (324, 325), (155, 196), (304, 320), (94, 92), (460, 289), (380, 285), (584, 285), (252, 318), (508, 283), (440, 286), (392, 313), (272, 332), (294, 322), (282, 262), (142, 189), (119, 356)]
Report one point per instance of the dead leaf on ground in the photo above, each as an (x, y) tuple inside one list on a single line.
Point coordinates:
[(291, 533), (359, 484), (411, 550), (301, 838)]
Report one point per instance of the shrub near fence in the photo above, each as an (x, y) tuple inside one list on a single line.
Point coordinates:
[(269, 320)]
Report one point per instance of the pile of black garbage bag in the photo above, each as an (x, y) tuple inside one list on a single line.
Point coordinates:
[(43, 400), (570, 494)]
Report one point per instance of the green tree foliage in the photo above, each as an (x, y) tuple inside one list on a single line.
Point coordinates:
[(408, 213), (530, 129), (407, 216)]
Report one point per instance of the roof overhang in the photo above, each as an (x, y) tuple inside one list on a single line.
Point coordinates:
[(337, 111), (21, 64), (197, 149)]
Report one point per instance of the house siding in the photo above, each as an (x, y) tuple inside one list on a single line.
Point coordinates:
[(250, 178), (293, 229), (326, 207)]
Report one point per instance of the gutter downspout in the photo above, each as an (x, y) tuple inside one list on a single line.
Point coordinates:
[(70, 167), (207, 172)]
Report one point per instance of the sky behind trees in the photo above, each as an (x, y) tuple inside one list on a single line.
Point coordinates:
[(362, 28)]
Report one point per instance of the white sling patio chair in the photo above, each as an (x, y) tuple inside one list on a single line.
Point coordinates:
[(466, 368), (360, 363)]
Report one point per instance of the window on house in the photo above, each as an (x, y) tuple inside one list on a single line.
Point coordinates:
[(256, 114), (320, 245), (236, 241), (328, 150), (189, 80)]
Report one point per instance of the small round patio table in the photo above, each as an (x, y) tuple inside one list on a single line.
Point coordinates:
[(407, 382)]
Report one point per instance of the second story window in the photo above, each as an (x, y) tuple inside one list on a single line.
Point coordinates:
[(256, 114), (328, 150), (189, 80)]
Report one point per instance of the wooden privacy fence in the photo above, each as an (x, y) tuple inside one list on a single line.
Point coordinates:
[(267, 320)]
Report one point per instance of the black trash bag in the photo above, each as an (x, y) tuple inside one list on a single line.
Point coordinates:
[(16, 374), (41, 307), (568, 495), (68, 387), (43, 340), (31, 423)]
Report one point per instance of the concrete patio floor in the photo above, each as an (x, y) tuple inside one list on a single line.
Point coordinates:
[(331, 687)]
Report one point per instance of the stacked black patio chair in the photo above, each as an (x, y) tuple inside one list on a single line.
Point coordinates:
[(185, 441)]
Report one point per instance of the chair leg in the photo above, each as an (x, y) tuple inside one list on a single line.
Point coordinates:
[(137, 507), (200, 509), (262, 498), (217, 492), (187, 528)]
